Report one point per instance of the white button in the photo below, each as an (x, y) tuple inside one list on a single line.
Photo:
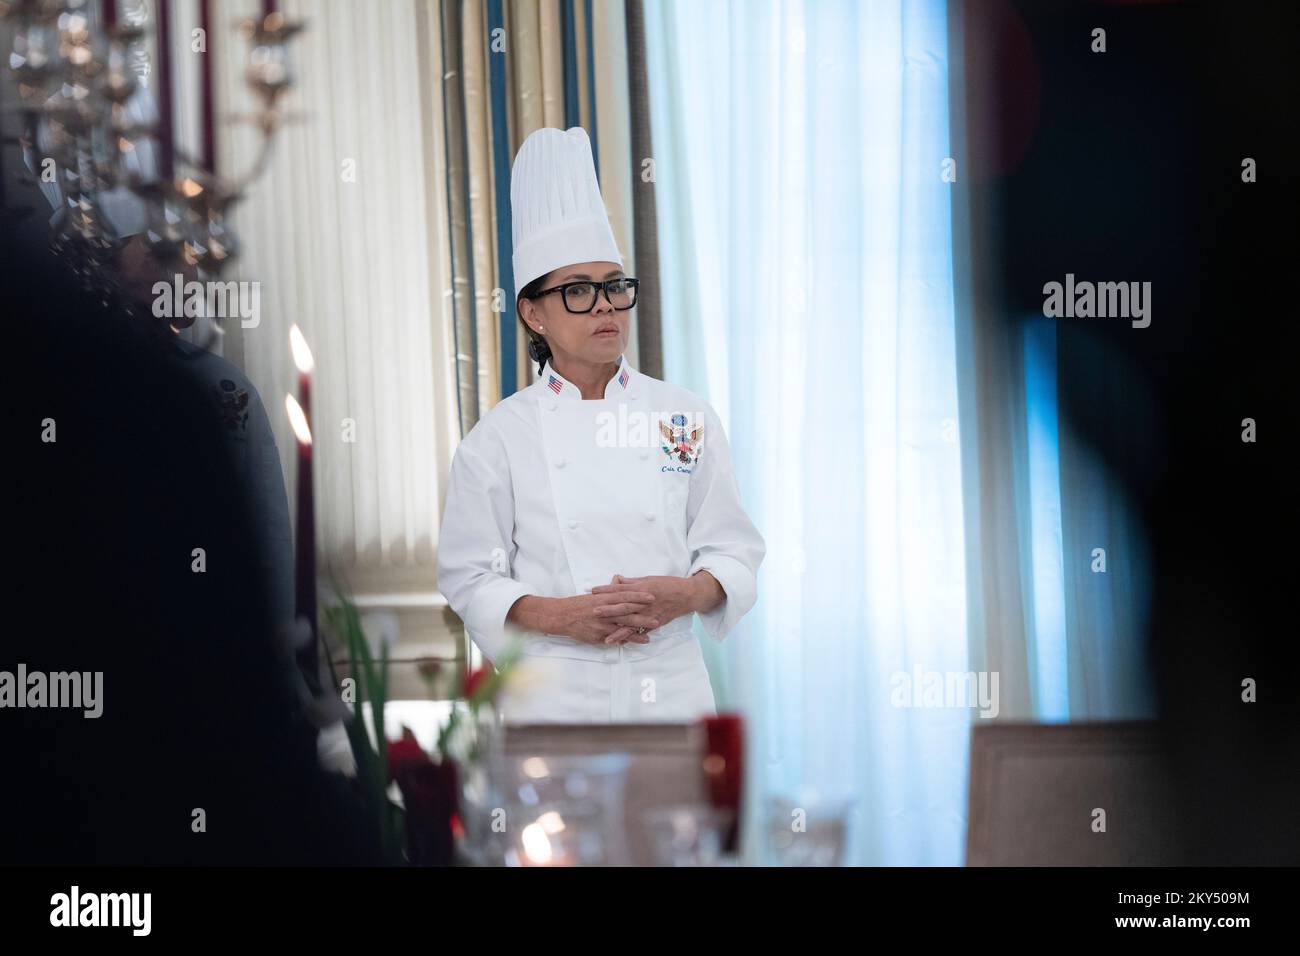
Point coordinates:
[(572, 523), (612, 654), (649, 516), (559, 463), (552, 406), (632, 397), (645, 454)]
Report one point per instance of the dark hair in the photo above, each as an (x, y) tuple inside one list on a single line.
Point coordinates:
[(538, 350)]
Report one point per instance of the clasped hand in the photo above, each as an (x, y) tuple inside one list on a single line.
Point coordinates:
[(614, 613)]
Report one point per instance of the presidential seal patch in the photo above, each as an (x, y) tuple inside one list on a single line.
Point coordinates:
[(682, 441)]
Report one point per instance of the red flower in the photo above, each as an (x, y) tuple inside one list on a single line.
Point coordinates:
[(475, 679), (405, 754), (430, 792), (430, 795)]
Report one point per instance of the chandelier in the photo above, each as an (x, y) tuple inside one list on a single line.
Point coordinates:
[(78, 67)]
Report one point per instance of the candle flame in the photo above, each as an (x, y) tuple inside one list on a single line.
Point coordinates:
[(551, 822), (301, 353), (536, 768), (537, 846), (301, 430)]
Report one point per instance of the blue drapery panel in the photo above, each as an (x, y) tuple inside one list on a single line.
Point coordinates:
[(1104, 553), (502, 160)]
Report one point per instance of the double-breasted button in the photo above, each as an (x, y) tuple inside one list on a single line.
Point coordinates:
[(551, 406), (645, 453), (649, 516), (573, 523), (559, 463)]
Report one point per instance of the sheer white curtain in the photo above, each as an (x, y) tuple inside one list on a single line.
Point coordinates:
[(807, 281)]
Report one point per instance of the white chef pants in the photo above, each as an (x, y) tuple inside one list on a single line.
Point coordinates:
[(672, 686)]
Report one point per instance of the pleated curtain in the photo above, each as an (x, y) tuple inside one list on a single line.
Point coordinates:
[(340, 232)]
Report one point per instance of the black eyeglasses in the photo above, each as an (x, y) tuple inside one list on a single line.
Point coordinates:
[(581, 296)]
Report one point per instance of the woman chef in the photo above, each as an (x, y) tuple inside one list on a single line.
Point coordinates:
[(593, 513)]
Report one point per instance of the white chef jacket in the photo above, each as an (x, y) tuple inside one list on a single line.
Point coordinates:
[(551, 495)]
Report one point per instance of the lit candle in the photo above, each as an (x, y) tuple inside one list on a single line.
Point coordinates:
[(300, 413), (166, 140), (209, 156), (302, 358), (305, 547)]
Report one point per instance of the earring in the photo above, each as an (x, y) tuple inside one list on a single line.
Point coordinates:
[(541, 328)]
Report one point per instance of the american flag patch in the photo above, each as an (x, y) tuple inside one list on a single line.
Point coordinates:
[(622, 378), (554, 385)]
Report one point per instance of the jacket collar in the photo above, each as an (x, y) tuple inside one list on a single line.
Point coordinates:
[(557, 384)]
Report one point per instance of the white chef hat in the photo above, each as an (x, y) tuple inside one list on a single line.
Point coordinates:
[(556, 211)]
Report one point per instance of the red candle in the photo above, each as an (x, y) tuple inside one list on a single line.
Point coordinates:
[(305, 605), (108, 14), (166, 139), (724, 772), (209, 122), (305, 566), (305, 533)]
